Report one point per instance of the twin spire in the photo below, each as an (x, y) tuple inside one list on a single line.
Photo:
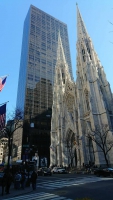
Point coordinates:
[(83, 38), (81, 34), (81, 29)]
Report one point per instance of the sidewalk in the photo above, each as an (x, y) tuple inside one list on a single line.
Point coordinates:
[(14, 192)]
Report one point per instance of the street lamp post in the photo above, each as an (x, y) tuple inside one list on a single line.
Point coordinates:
[(31, 126), (29, 148), (10, 151)]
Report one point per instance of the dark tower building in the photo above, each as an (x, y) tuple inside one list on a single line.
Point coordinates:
[(36, 77)]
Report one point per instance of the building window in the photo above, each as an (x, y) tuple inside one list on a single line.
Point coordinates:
[(86, 77), (83, 51), (87, 100)]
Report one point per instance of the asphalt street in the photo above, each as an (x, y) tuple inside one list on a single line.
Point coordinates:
[(69, 187), (78, 186)]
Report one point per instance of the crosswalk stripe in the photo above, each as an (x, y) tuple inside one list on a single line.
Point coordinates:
[(65, 183), (58, 183), (38, 196), (27, 196)]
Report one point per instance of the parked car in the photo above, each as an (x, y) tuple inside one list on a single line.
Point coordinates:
[(104, 172), (59, 170), (44, 171)]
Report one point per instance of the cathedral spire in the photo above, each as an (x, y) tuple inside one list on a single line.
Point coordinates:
[(81, 29), (85, 47), (60, 51), (61, 59)]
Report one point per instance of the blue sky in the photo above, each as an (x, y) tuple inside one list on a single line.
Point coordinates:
[(96, 15)]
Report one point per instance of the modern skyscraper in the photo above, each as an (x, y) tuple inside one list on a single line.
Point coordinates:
[(38, 60), (37, 69)]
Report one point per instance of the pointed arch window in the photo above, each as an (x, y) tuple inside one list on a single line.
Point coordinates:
[(85, 77), (84, 59), (87, 46), (58, 78), (87, 100), (63, 77), (83, 53), (88, 49), (76, 114)]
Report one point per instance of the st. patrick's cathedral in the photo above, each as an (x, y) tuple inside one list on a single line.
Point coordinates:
[(82, 111)]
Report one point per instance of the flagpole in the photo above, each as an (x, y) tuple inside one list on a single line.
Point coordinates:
[(4, 103)]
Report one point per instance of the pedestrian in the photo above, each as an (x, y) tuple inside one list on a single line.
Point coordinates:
[(4, 181), (23, 179), (33, 180), (17, 180), (9, 180)]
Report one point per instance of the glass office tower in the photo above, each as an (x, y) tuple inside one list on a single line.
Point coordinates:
[(38, 60)]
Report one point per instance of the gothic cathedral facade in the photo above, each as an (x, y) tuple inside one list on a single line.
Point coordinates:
[(82, 111)]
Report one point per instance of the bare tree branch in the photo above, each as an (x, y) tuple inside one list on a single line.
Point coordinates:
[(15, 121), (100, 137)]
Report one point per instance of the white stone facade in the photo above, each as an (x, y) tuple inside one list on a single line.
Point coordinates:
[(81, 106)]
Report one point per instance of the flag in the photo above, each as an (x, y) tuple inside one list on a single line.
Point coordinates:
[(2, 116), (2, 82)]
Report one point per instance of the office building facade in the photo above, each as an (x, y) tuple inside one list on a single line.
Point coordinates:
[(37, 66), (38, 60)]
